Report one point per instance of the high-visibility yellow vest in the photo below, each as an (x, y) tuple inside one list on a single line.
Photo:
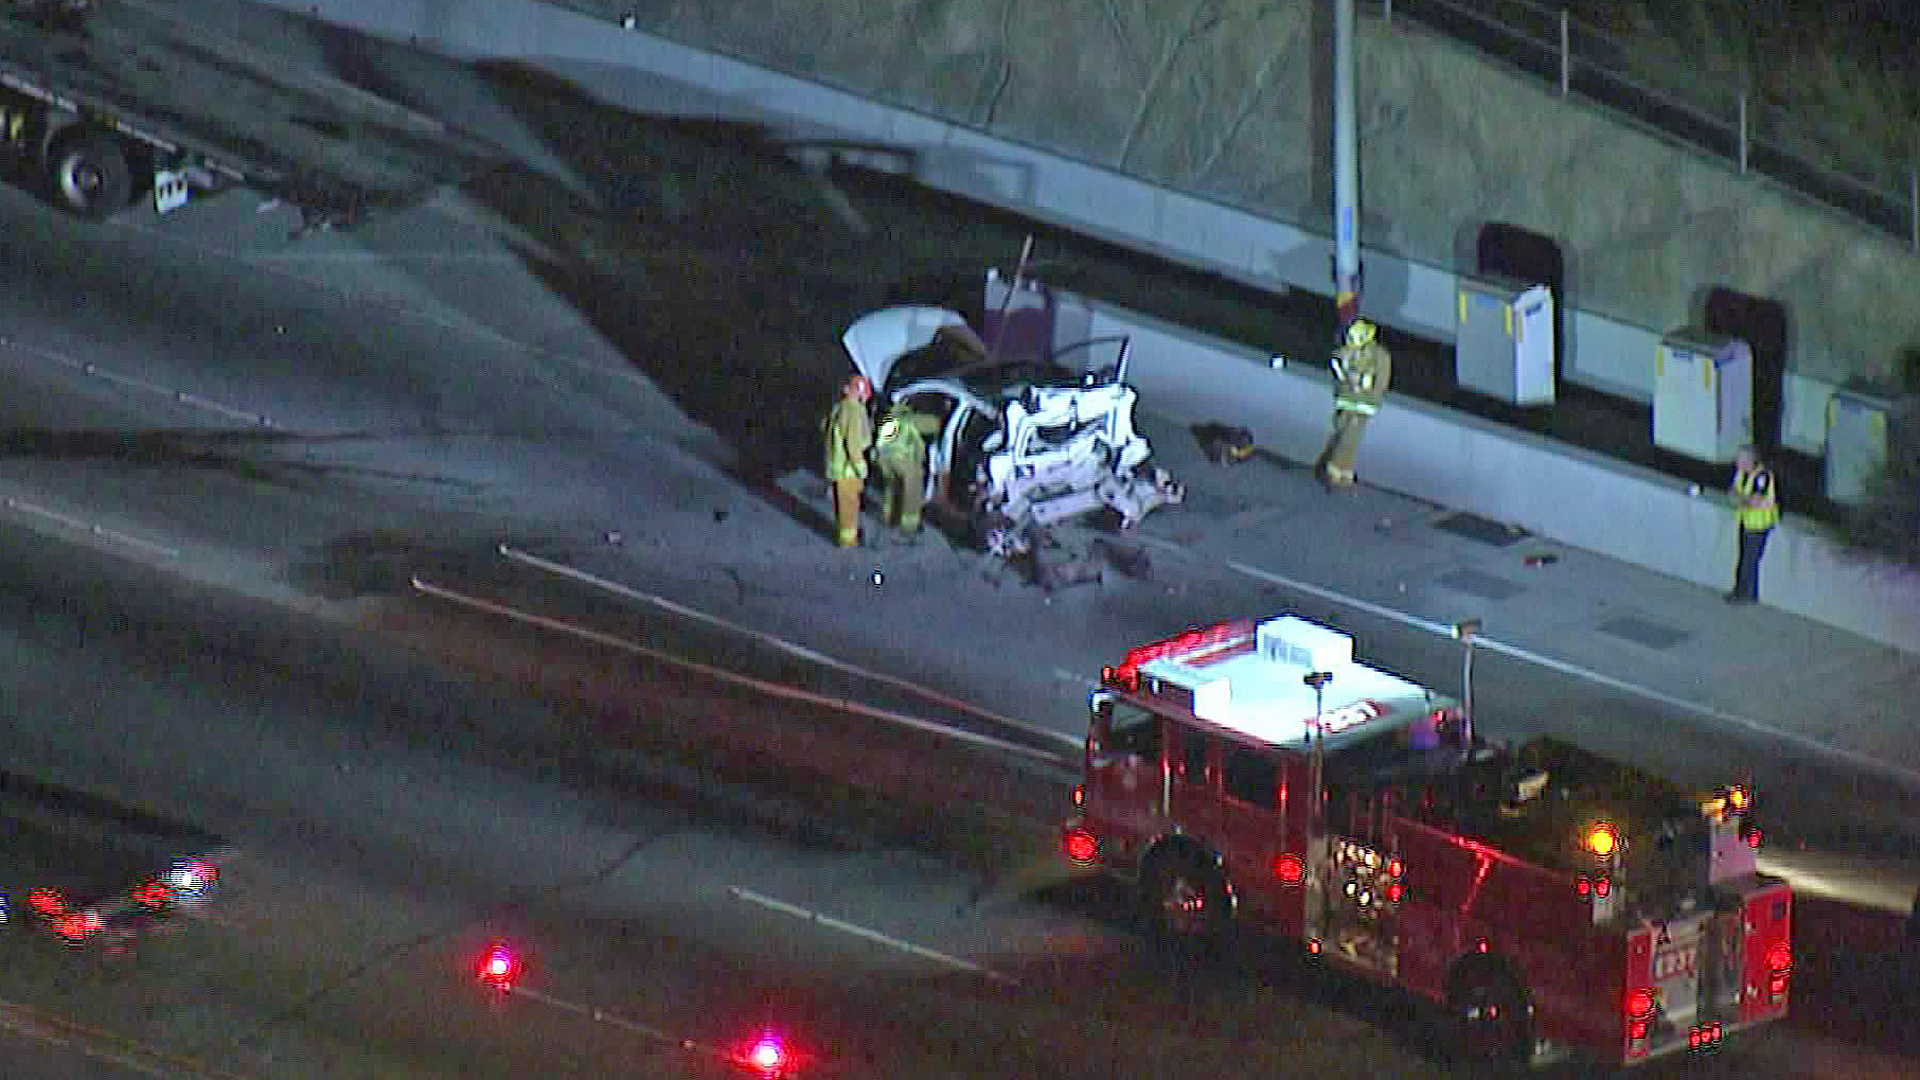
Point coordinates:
[(1761, 482)]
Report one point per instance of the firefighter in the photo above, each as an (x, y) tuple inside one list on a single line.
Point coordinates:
[(900, 449), (1362, 368), (1756, 509), (849, 434)]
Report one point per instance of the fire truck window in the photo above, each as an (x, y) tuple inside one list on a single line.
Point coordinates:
[(1251, 778), (1134, 730), (1193, 757)]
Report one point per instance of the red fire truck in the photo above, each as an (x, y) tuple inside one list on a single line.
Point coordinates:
[(1555, 902)]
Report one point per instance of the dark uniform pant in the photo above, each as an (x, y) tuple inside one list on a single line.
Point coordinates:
[(1746, 573), (906, 493)]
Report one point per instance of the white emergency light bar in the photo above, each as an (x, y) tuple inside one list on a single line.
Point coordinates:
[(1260, 691)]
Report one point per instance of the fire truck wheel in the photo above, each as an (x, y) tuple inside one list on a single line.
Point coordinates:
[(1490, 1022), (1185, 900)]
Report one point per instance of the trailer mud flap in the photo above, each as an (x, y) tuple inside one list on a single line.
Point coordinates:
[(171, 190)]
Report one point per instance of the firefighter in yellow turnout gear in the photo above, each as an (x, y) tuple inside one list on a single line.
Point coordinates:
[(1362, 369), (900, 449), (849, 434)]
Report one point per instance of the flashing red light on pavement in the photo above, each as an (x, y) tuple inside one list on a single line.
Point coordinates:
[(767, 1055), (46, 901), (153, 896), (499, 967)]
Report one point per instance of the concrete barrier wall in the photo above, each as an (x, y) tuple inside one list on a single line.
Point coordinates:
[(1624, 512), (1621, 511)]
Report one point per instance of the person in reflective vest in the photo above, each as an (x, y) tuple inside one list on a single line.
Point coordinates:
[(849, 434), (900, 449), (1756, 507), (1362, 368)]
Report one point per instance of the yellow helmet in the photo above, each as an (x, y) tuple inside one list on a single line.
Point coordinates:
[(1360, 332)]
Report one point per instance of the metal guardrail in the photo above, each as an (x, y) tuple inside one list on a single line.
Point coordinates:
[(1730, 123)]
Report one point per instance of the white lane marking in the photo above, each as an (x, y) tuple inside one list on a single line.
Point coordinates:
[(875, 936), (119, 1050), (184, 397), (789, 647), (762, 685), (89, 528), (1865, 762), (634, 1027)]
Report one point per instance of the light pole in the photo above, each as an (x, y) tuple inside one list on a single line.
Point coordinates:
[(1318, 680), (1346, 170)]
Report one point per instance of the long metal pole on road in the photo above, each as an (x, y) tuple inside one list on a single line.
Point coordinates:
[(1346, 170)]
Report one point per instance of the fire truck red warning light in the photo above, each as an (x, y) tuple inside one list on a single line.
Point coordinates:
[(1082, 847), (1289, 869)]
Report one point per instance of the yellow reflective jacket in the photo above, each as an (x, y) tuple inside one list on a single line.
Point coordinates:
[(1363, 375), (903, 435), (849, 433)]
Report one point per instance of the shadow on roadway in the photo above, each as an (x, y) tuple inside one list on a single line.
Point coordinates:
[(239, 453)]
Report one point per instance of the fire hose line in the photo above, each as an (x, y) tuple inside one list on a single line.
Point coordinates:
[(773, 689), (789, 647)]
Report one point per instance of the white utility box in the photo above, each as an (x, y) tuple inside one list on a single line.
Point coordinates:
[(1702, 396), (1860, 429), (1503, 341)]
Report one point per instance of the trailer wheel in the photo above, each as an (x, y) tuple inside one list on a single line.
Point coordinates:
[(1490, 1017), (90, 175), (1185, 901)]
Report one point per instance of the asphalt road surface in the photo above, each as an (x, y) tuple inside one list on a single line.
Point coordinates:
[(402, 798)]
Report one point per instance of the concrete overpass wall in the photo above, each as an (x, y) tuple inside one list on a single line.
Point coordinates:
[(1207, 142), (1226, 99)]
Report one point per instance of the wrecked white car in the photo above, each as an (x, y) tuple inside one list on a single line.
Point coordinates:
[(1023, 443)]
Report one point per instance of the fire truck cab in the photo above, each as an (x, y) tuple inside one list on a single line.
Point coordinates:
[(1551, 900)]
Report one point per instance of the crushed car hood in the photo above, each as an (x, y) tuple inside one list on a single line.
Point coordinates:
[(876, 341)]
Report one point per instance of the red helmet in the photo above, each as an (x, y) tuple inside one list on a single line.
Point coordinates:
[(859, 387)]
